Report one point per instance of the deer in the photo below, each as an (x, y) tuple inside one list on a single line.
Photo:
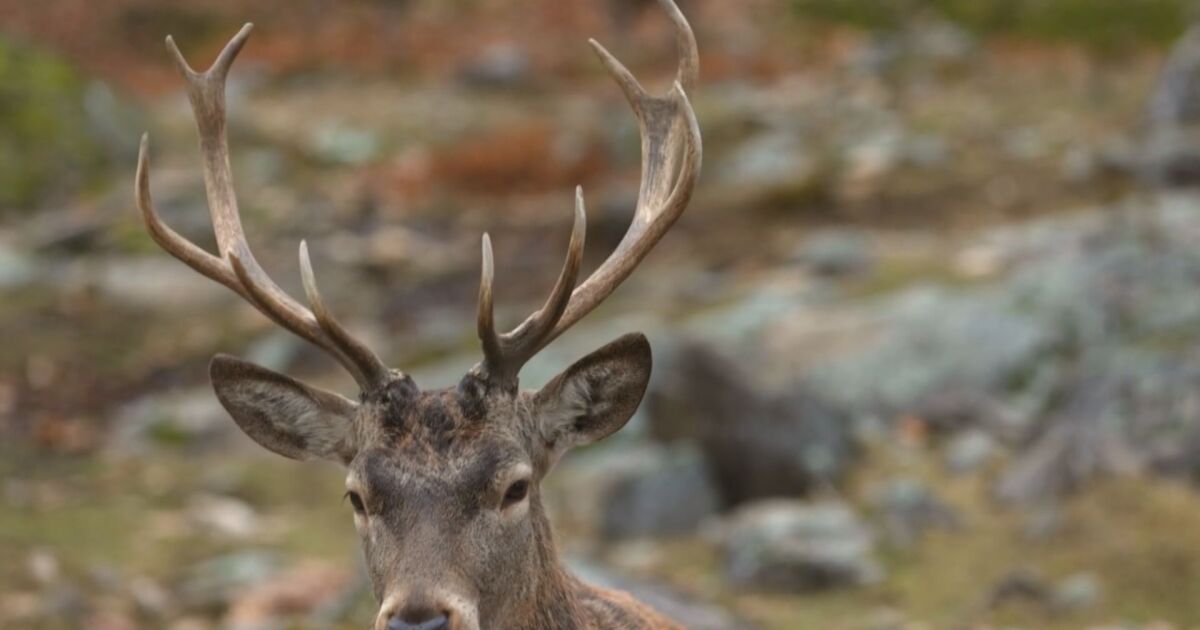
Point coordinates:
[(445, 483)]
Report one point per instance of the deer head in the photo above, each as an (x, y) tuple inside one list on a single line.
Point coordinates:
[(444, 484)]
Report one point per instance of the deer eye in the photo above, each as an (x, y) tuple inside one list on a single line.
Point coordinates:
[(515, 493), (357, 502)]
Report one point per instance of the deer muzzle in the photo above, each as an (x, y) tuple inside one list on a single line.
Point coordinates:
[(433, 611)]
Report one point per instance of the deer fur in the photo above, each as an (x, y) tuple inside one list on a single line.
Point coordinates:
[(431, 468)]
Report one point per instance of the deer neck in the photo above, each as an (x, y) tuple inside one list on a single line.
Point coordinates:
[(552, 597)]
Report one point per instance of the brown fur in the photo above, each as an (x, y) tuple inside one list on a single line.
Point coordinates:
[(433, 469)]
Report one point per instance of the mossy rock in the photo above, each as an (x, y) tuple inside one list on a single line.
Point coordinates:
[(48, 147)]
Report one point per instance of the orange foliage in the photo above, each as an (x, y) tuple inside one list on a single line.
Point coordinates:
[(525, 159)]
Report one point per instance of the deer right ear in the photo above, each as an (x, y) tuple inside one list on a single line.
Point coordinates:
[(282, 414), (594, 397)]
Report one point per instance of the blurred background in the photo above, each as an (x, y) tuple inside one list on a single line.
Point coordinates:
[(927, 341)]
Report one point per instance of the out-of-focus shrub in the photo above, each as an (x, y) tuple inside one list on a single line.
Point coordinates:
[(47, 145), (1103, 24)]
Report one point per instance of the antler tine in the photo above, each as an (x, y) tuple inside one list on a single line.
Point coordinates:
[(170, 240), (235, 266), (206, 92), (505, 354), (671, 156), (359, 354), (485, 318), (685, 46)]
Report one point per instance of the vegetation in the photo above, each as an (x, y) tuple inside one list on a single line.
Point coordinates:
[(1127, 530), (46, 146), (1101, 24)]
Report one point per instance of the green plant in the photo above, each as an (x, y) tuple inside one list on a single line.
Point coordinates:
[(46, 145), (1101, 24)]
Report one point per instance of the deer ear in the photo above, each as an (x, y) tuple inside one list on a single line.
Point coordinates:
[(596, 396), (282, 414)]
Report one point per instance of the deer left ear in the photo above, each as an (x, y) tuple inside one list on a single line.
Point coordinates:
[(596, 396), (282, 414)]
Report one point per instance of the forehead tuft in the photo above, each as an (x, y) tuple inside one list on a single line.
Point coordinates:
[(404, 418), (461, 436), (434, 420), (472, 464)]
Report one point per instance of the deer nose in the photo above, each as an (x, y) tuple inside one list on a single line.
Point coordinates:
[(419, 619)]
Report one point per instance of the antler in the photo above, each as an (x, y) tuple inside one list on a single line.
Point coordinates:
[(671, 155), (235, 266)]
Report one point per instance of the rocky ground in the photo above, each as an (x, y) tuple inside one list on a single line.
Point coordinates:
[(925, 341)]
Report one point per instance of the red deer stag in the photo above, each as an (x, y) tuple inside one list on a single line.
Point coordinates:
[(445, 483)]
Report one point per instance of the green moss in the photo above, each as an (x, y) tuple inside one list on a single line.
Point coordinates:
[(46, 146), (166, 433), (89, 512), (1102, 24), (895, 274)]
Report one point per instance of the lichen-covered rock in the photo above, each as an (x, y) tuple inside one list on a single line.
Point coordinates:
[(969, 450), (667, 491), (759, 444), (629, 491), (908, 508), (836, 252), (793, 546)]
